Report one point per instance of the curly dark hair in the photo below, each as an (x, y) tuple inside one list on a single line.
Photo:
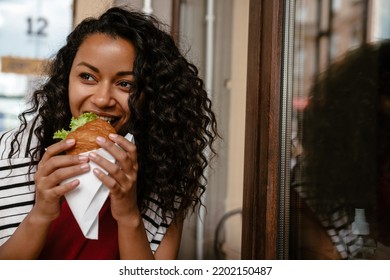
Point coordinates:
[(175, 127), (346, 134)]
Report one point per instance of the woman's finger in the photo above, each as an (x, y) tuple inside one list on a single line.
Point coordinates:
[(58, 148), (62, 174), (122, 150), (113, 169), (108, 181), (61, 190), (58, 162)]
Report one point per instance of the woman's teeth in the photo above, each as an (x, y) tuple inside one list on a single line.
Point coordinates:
[(107, 119)]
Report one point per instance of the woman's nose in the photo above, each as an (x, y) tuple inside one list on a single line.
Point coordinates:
[(103, 97)]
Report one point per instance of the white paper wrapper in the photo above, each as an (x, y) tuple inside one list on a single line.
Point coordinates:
[(88, 198)]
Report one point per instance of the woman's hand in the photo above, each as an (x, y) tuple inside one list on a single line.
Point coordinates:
[(30, 236), (52, 170), (121, 178)]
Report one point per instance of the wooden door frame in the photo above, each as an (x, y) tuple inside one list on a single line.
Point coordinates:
[(262, 135)]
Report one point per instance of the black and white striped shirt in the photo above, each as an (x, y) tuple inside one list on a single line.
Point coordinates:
[(17, 189), (336, 223)]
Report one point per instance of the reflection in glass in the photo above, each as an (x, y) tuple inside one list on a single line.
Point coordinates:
[(340, 154)]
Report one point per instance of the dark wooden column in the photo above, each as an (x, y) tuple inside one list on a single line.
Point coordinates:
[(175, 24), (260, 205)]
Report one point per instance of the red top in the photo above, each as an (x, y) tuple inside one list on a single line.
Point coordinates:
[(66, 241)]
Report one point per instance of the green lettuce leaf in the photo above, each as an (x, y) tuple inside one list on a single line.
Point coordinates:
[(74, 124), (60, 134), (81, 120)]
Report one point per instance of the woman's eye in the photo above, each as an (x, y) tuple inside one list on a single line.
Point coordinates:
[(126, 84), (87, 77)]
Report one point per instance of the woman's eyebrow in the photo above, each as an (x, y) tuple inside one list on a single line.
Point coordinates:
[(93, 68), (125, 73)]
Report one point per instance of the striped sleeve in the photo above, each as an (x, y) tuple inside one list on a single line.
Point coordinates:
[(16, 183), (337, 224), (25, 141), (155, 226), (16, 195)]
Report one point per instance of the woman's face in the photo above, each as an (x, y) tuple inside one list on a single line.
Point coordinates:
[(101, 78)]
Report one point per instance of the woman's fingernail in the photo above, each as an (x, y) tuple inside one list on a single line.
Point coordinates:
[(75, 183), (92, 155), (113, 136), (70, 141), (100, 139), (84, 166), (83, 158), (97, 172)]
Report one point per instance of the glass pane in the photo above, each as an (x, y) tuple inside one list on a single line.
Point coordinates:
[(215, 233), (340, 130)]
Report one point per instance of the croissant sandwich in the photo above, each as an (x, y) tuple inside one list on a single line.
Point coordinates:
[(85, 129)]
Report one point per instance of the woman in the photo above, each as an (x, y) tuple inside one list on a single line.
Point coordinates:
[(125, 69)]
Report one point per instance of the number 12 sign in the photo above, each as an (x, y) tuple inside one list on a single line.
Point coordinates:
[(34, 28)]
